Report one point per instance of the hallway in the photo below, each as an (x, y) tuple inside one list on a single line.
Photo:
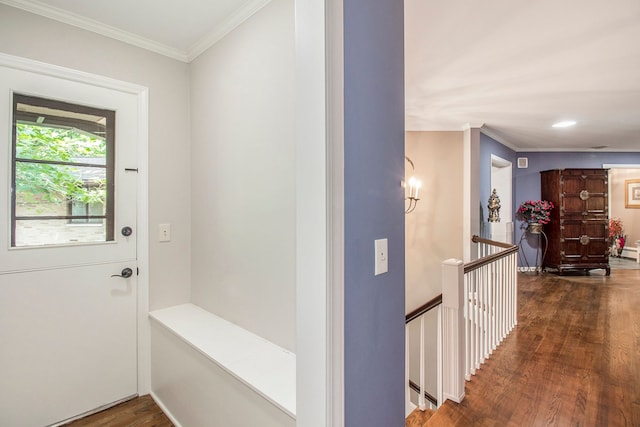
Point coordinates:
[(572, 360)]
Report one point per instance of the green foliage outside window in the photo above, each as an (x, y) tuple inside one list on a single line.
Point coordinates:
[(53, 183)]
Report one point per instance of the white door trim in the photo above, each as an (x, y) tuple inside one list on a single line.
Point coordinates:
[(320, 214), (142, 93)]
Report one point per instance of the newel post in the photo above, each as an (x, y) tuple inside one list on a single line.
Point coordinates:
[(453, 339)]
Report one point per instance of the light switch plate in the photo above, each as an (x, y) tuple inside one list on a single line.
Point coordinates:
[(164, 232), (382, 256)]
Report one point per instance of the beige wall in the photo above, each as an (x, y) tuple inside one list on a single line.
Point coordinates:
[(434, 229), (34, 37), (630, 217), (243, 176)]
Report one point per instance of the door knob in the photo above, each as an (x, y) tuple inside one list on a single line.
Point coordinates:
[(126, 231), (125, 273)]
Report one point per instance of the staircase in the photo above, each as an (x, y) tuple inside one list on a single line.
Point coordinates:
[(475, 312)]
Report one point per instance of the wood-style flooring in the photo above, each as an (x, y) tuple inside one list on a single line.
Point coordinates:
[(572, 360), (139, 412)]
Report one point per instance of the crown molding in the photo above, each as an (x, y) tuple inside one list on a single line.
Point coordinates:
[(500, 139), (468, 126), (92, 25), (577, 150), (70, 18), (229, 24)]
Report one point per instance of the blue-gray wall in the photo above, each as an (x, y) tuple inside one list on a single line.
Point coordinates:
[(527, 181), (489, 146), (374, 209)]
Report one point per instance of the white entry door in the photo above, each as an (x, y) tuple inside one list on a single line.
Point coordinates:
[(68, 304)]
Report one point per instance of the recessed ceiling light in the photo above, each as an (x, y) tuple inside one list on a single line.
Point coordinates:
[(564, 124)]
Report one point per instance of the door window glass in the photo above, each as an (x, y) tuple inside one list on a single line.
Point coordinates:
[(62, 182)]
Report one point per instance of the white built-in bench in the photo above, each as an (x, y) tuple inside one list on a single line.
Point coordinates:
[(263, 367)]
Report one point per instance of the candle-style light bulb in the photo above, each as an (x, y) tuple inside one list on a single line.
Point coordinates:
[(412, 187), (418, 184)]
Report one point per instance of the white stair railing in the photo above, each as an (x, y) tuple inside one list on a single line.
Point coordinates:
[(479, 304), (429, 343)]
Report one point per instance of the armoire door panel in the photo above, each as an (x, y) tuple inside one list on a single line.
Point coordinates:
[(572, 205), (596, 229)]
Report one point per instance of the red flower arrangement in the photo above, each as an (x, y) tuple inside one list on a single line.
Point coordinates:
[(616, 233), (533, 211), (615, 227)]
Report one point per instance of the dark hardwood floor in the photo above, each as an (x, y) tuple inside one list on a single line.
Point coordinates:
[(139, 412), (572, 360)]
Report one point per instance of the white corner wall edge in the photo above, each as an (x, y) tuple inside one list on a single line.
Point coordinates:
[(264, 367), (233, 21)]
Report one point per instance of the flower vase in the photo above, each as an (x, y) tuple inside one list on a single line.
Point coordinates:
[(534, 228)]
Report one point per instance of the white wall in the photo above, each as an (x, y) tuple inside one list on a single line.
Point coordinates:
[(434, 229), (243, 176), (34, 37), (630, 216)]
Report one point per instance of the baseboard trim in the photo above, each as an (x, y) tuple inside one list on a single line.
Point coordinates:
[(93, 411), (166, 411), (630, 252)]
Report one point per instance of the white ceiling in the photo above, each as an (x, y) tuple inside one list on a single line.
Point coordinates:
[(519, 66), (513, 66)]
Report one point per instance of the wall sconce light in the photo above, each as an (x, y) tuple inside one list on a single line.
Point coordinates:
[(412, 190)]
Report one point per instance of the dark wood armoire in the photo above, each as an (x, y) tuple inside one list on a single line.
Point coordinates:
[(578, 233)]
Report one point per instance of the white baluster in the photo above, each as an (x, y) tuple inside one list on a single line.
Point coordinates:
[(515, 299), (500, 302), (491, 306), (421, 402), (439, 369), (407, 361), (483, 314), (474, 321), (467, 328)]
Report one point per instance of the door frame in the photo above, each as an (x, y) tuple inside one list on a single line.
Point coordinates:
[(142, 94)]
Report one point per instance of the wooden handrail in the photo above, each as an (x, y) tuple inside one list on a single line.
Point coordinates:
[(423, 309), (474, 265), (478, 239)]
